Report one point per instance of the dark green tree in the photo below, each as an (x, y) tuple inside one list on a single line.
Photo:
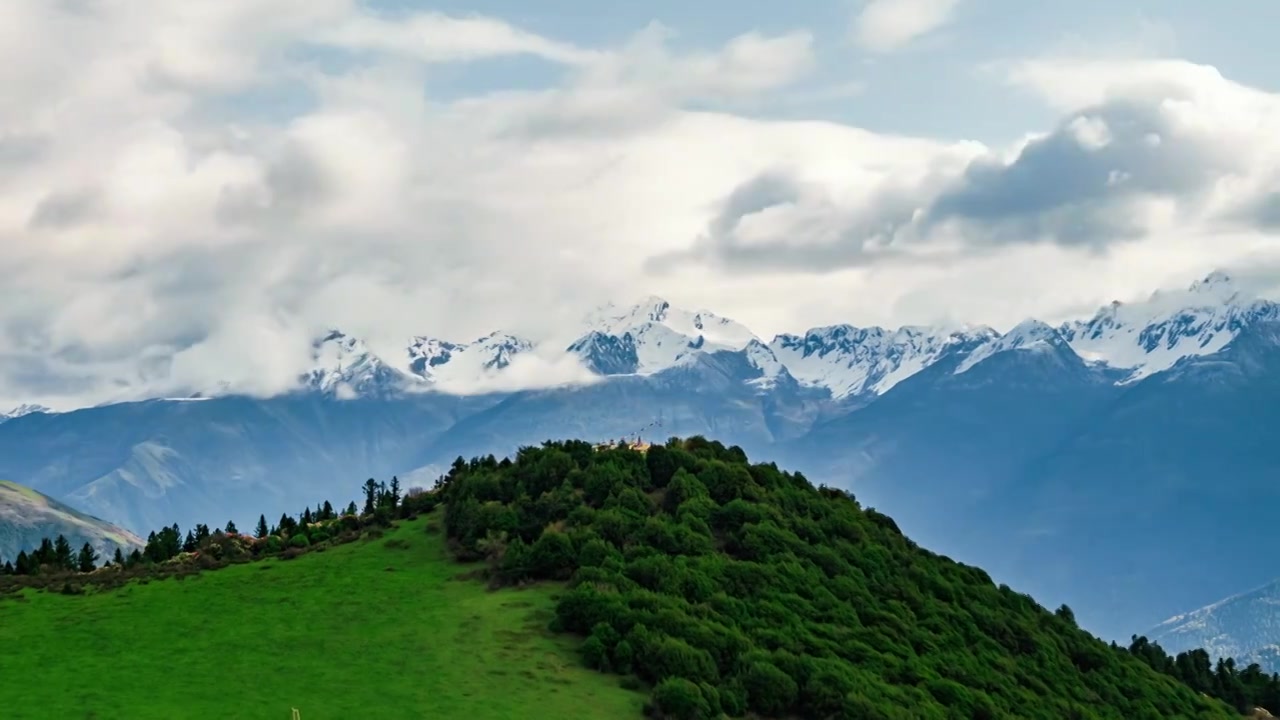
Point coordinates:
[(262, 531), (231, 528), (395, 492), (118, 558), (370, 496), (87, 560), (63, 556)]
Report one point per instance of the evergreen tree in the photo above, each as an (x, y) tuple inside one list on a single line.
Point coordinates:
[(202, 533), (23, 564), (64, 557), (118, 558), (44, 555), (327, 511), (306, 516), (8, 568), (262, 530), (351, 508), (88, 559), (135, 557), (190, 545), (370, 496), (395, 492), (231, 528)]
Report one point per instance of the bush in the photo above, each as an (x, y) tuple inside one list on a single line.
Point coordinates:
[(679, 699)]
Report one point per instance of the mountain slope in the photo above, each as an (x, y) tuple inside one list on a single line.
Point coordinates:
[(1156, 477), (27, 517), (146, 465), (1245, 627)]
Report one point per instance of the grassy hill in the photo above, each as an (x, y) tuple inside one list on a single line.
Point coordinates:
[(375, 628), (27, 516)]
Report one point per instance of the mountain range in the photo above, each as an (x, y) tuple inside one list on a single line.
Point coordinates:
[(1096, 462), (27, 517)]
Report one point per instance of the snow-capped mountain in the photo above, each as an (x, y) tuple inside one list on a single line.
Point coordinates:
[(1028, 336), (1245, 627), (346, 368), (24, 409), (652, 336), (848, 361), (432, 359), (1151, 336)]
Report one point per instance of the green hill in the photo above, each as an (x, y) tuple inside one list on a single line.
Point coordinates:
[(717, 586), (372, 629), (27, 516)]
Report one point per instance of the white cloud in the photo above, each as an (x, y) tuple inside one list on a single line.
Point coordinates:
[(888, 25), (151, 244)]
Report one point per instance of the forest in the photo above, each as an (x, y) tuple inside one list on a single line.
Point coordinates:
[(726, 587)]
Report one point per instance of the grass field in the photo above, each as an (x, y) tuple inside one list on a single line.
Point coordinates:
[(373, 629)]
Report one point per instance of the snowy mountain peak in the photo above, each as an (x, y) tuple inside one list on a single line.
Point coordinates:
[(344, 366), (1151, 336), (1028, 335), (1216, 282), (653, 335), (25, 409), (848, 360)]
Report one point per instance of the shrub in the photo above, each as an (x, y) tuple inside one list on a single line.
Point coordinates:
[(679, 699)]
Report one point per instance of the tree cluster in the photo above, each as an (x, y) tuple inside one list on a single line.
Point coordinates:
[(732, 588), (205, 548), (1242, 688)]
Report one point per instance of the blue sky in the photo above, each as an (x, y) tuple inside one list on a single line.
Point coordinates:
[(902, 91), (204, 177)]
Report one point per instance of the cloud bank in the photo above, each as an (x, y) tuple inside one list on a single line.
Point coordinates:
[(207, 187)]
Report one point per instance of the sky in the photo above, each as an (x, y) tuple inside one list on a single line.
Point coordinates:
[(191, 192)]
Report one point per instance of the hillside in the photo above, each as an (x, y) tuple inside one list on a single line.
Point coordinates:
[(737, 588), (375, 628), (27, 517)]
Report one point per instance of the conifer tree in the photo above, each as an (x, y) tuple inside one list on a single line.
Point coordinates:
[(118, 558), (87, 559), (395, 492), (327, 511), (262, 530), (231, 528), (370, 496), (64, 558)]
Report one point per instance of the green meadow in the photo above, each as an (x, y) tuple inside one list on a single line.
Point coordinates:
[(381, 628)]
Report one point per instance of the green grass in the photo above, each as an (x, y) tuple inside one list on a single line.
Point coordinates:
[(364, 630)]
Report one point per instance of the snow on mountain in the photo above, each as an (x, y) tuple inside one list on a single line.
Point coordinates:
[(440, 360), (344, 366), (1151, 336), (1028, 335), (771, 368), (24, 409), (850, 361), (1245, 627), (652, 336)]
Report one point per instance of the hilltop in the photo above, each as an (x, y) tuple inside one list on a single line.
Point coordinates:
[(27, 517)]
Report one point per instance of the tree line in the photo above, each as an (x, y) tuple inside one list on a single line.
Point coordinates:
[(383, 502)]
